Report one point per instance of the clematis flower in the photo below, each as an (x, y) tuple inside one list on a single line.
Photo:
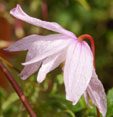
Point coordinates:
[(48, 52)]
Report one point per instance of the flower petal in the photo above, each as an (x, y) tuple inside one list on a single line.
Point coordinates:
[(97, 93), (23, 44), (20, 14), (26, 42), (29, 70), (86, 99), (45, 48), (49, 64), (77, 70)]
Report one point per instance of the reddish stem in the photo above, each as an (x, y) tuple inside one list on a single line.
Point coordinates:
[(18, 90), (87, 36), (92, 44), (98, 113), (44, 10)]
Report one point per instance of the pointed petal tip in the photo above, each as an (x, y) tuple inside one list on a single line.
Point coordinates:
[(67, 97), (18, 5), (104, 111), (10, 49), (17, 12), (23, 77), (14, 9), (40, 77), (74, 102), (39, 80), (6, 49), (26, 63), (20, 14), (23, 64)]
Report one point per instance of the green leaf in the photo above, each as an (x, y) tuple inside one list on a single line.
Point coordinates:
[(110, 103), (3, 95), (11, 99), (84, 3), (70, 112)]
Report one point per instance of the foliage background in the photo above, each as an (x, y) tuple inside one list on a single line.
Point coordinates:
[(94, 17)]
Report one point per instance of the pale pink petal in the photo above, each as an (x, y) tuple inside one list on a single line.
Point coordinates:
[(43, 49), (20, 14), (77, 70), (29, 70), (97, 93), (86, 99), (24, 43), (49, 64)]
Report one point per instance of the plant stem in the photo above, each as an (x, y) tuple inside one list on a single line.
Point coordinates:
[(98, 113), (44, 10), (87, 36), (18, 90)]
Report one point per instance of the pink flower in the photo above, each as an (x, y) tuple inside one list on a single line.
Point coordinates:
[(47, 52)]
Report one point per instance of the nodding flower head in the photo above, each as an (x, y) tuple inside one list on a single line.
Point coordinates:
[(48, 52)]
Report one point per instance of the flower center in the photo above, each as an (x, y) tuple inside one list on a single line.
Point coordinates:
[(80, 39)]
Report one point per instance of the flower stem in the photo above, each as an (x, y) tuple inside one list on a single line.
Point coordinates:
[(87, 36), (18, 90), (98, 113)]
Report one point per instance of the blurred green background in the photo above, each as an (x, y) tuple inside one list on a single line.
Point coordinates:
[(94, 17)]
